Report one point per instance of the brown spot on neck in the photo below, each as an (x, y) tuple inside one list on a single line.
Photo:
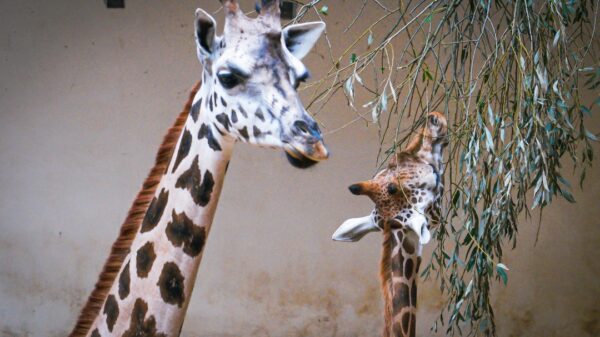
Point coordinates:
[(124, 282), (171, 284), (182, 231), (184, 149), (111, 310), (144, 259), (155, 211), (190, 180), (139, 324)]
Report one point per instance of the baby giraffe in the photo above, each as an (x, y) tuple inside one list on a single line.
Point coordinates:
[(407, 197)]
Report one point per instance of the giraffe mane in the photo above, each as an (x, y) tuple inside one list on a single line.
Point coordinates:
[(131, 225), (385, 277)]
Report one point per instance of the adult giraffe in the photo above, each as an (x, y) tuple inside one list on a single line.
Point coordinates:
[(250, 76), (407, 195)]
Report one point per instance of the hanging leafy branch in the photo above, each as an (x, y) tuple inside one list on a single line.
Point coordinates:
[(512, 76)]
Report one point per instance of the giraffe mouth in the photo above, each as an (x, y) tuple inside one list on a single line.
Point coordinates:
[(304, 158)]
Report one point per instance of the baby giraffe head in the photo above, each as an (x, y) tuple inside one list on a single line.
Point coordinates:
[(252, 72), (406, 188)]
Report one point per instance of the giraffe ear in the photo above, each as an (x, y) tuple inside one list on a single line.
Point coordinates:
[(354, 229), (300, 38), (205, 26)]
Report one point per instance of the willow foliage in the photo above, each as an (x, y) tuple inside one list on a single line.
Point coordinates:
[(511, 76)]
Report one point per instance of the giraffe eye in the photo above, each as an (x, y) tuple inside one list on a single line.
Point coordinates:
[(227, 79), (433, 120), (392, 188)]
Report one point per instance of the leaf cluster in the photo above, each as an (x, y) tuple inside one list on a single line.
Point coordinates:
[(512, 76)]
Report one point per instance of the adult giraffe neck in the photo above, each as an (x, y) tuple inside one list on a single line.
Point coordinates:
[(153, 286)]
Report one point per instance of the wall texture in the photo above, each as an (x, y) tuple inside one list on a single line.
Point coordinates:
[(86, 94)]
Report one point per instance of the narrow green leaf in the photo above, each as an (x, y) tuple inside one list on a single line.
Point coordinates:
[(501, 270), (489, 140), (469, 287), (591, 136), (358, 79), (502, 266), (564, 181), (375, 113), (567, 195), (556, 37), (384, 100), (490, 114), (349, 89)]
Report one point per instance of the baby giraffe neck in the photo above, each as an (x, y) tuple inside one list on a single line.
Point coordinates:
[(152, 290), (399, 271)]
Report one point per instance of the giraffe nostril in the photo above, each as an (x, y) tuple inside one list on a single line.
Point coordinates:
[(308, 129), (302, 127), (355, 189)]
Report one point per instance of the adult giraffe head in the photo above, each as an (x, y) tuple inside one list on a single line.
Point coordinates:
[(252, 72)]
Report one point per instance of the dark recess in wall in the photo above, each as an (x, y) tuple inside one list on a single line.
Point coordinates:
[(115, 3)]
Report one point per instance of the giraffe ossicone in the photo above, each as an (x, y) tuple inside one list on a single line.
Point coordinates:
[(407, 196), (248, 93)]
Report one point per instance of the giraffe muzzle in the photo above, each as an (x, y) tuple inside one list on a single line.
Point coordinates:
[(367, 188), (306, 147), (363, 187), (303, 156)]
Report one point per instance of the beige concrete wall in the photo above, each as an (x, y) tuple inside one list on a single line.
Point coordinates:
[(86, 95)]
